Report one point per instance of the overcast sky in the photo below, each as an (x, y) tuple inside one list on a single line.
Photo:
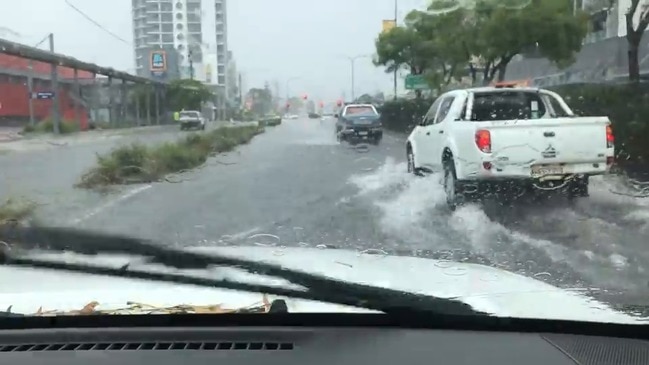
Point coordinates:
[(271, 40)]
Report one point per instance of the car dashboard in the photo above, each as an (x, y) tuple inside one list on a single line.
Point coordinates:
[(172, 342)]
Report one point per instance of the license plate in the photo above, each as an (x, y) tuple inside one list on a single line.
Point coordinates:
[(543, 170), (362, 133)]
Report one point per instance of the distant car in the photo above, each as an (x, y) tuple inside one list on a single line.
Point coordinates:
[(191, 119), (359, 122), (293, 116)]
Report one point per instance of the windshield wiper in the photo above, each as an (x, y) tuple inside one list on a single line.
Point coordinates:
[(317, 288)]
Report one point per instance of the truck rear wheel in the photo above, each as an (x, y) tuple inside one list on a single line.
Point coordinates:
[(452, 188)]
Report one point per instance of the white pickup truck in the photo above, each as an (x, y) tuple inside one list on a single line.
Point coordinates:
[(509, 140)]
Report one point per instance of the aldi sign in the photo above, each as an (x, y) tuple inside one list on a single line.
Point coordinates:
[(158, 62)]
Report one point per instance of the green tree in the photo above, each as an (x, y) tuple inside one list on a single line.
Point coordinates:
[(261, 99), (442, 42), (187, 94), (638, 9), (446, 43), (402, 47), (549, 26)]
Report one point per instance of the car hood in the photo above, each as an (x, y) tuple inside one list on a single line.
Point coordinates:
[(501, 293)]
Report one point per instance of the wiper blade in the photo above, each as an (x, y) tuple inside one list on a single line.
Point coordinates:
[(318, 288)]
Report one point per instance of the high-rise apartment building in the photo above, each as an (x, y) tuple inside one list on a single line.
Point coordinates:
[(221, 30), (166, 25)]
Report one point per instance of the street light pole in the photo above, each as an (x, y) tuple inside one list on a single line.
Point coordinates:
[(395, 70), (352, 60)]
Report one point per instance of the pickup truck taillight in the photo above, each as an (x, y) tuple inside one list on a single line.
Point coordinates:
[(610, 138), (483, 140)]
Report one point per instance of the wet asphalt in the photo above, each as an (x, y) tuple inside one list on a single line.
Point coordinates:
[(295, 185)]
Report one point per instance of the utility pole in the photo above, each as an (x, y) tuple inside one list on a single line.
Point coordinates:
[(395, 70), (240, 90), (56, 113), (191, 65), (30, 90)]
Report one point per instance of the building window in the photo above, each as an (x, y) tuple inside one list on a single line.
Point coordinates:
[(179, 5), (179, 26), (179, 16)]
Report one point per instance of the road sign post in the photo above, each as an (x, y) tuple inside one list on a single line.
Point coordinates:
[(416, 82)]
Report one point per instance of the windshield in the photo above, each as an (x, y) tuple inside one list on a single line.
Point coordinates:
[(359, 110), (189, 114), (507, 105), (490, 152)]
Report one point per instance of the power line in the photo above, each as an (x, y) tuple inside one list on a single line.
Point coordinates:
[(42, 40), (90, 19)]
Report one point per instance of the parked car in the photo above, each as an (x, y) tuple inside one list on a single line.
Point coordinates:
[(191, 119)]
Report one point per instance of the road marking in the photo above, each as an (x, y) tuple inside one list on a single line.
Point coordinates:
[(110, 203)]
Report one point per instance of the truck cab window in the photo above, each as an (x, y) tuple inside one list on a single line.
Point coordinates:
[(507, 105)]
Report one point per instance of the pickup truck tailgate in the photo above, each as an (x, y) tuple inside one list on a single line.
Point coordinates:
[(575, 140)]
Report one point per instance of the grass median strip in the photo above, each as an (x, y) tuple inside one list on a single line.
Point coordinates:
[(139, 163), (13, 210)]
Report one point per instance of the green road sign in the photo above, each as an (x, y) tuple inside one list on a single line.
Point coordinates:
[(416, 82)]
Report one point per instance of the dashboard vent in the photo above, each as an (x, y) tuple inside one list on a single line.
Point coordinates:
[(592, 350), (149, 346)]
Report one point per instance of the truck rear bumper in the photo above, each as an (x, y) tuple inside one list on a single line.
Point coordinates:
[(190, 124), (359, 135), (519, 187), (487, 170)]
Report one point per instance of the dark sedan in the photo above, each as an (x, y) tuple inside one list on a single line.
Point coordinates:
[(359, 123)]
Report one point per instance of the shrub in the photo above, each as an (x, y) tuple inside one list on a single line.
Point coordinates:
[(47, 126), (14, 210), (402, 115), (138, 163)]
